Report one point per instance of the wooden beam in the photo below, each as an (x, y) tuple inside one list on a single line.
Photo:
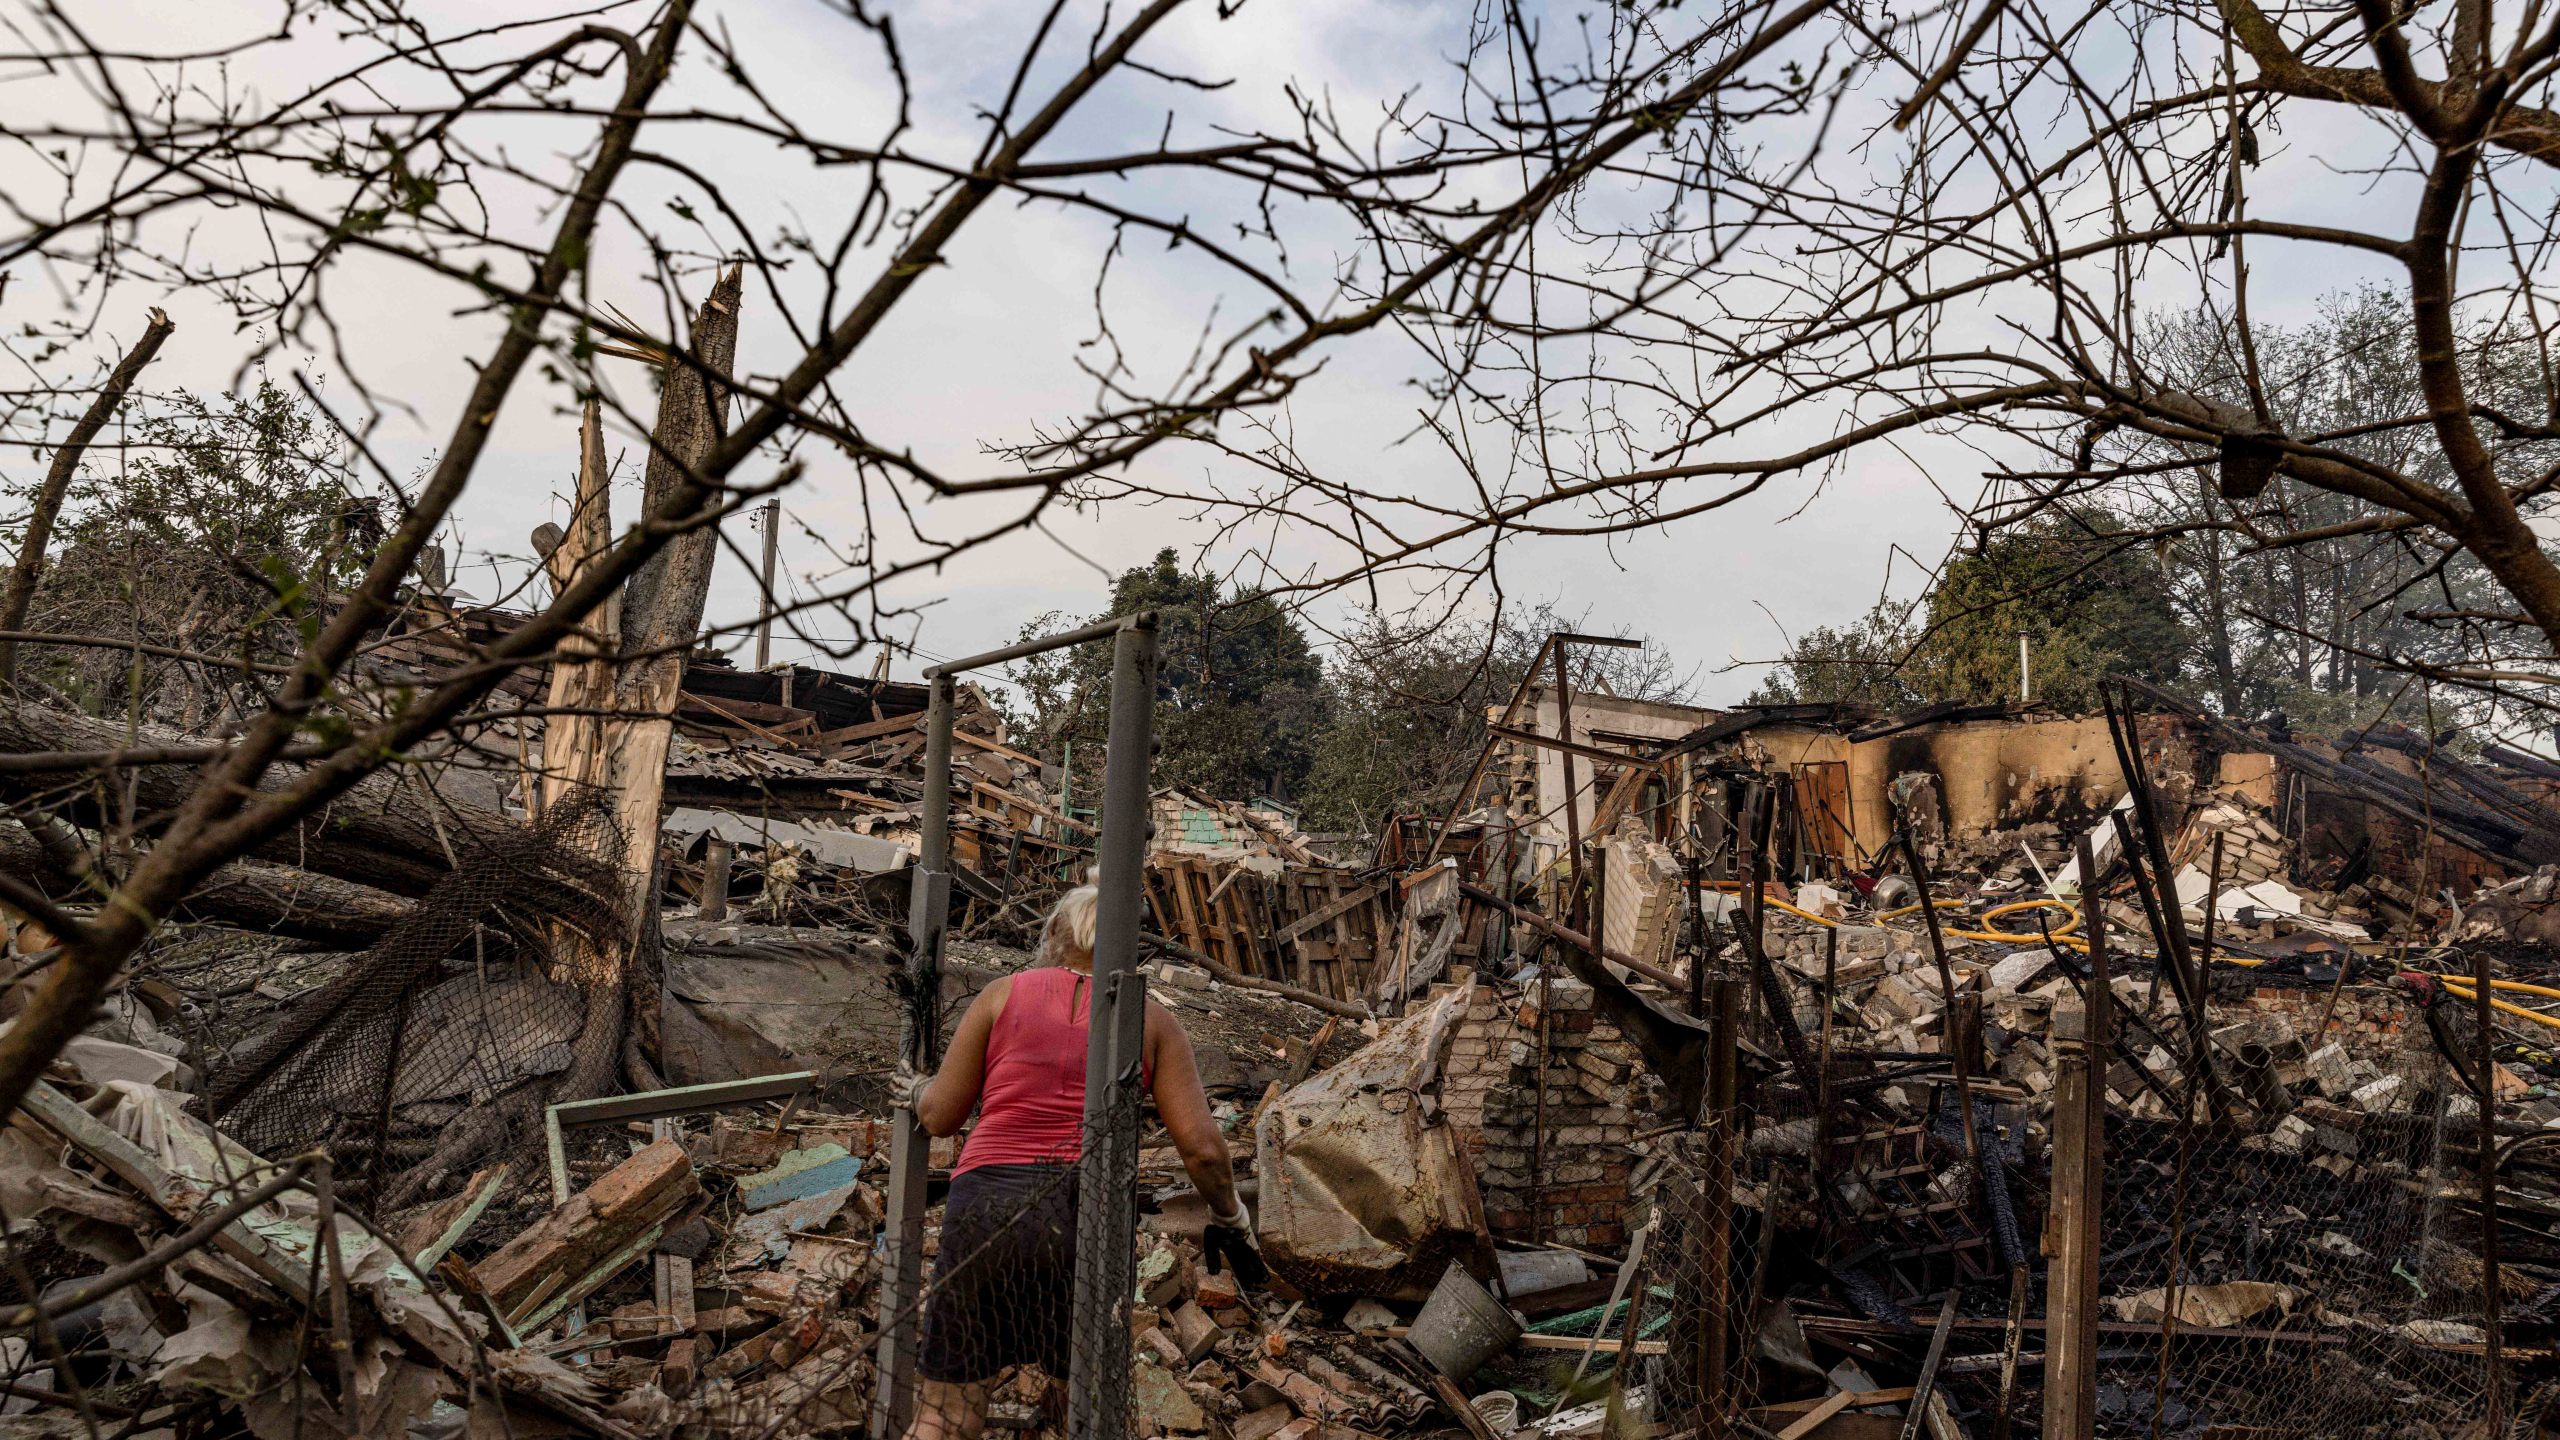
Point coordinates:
[(176, 1195), (1572, 747), (1858, 1399), (1573, 1343), (1812, 1419), (981, 742), (1340, 907), (867, 730), (2071, 1230), (600, 1222), (445, 1223), (1924, 1389)]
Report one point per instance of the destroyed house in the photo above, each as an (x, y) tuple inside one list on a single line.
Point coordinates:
[(1719, 1158)]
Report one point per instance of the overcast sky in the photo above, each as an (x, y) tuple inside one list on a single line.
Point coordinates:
[(980, 353)]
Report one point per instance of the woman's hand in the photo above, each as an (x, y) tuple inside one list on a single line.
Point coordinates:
[(1230, 1239), (907, 1086)]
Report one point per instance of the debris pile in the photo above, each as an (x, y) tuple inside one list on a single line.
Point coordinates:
[(1777, 1065)]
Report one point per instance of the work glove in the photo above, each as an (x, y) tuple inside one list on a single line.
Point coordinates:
[(1229, 1242), (906, 1086)]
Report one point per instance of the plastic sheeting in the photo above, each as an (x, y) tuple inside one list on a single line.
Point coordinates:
[(1364, 1188)]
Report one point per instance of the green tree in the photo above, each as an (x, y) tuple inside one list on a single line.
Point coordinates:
[(1410, 699), (2087, 599), (1241, 700), (2325, 625), (228, 520), (1862, 662)]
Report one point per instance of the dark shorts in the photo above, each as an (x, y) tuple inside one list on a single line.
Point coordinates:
[(1004, 1276)]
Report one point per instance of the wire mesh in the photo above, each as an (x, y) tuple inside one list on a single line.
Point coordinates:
[(2297, 1262), (998, 1338), (433, 1046), (2306, 1225)]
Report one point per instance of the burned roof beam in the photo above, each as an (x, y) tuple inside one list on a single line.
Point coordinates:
[(1571, 747)]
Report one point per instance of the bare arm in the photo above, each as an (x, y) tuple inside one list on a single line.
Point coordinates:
[(953, 1092), (1184, 1108)]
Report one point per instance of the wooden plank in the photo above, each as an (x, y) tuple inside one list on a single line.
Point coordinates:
[(1853, 1423), (599, 1221), (1454, 1400), (981, 742), (1195, 932), (1859, 1399), (1812, 1420), (1029, 808), (1333, 910), (1924, 1389), (561, 1298), (868, 730), (177, 1195), (2071, 1230), (1275, 963), (1613, 804), (1350, 978), (765, 724), (1591, 753), (2149, 1329), (440, 1227), (1573, 1343)]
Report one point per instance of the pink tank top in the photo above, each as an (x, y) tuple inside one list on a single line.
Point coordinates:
[(1031, 1105)]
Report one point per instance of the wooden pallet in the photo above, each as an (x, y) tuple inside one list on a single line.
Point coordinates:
[(1316, 927)]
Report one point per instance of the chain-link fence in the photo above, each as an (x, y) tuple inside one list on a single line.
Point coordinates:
[(2290, 1239), (998, 1337), (2291, 1246)]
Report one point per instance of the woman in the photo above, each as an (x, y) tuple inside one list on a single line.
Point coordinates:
[(1004, 1276)]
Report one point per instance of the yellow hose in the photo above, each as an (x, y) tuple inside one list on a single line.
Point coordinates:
[(2513, 987), (2061, 933), (2455, 989)]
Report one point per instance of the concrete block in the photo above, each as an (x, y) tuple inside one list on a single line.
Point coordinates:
[(2330, 1070), (2377, 1097)]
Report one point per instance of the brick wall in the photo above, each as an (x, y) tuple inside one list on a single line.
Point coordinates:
[(1577, 1181)]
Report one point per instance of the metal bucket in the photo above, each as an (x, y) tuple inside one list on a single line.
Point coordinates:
[(1461, 1326)]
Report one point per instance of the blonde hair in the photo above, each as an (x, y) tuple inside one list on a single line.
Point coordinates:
[(1069, 934)]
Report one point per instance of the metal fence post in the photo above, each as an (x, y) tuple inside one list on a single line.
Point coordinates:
[(910, 1149), (1715, 1192), (1106, 1206)]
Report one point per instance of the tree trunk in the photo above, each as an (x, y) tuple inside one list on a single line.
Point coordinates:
[(378, 834), (247, 894), (2217, 606), (21, 592), (605, 772)]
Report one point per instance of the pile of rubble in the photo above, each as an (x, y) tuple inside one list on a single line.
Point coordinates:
[(697, 1261), (1476, 1077)]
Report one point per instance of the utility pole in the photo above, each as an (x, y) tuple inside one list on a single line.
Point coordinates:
[(2026, 682), (772, 553)]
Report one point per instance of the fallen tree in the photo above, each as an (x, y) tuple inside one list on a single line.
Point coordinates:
[(393, 830), (247, 894)]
